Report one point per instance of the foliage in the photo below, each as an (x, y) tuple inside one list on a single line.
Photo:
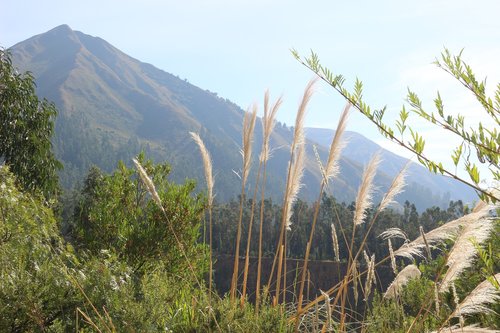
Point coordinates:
[(26, 130), (115, 213), (34, 290)]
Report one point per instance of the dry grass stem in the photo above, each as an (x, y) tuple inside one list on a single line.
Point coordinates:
[(365, 193), (406, 274)]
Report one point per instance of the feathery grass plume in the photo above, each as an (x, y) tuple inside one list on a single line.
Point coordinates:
[(365, 192), (406, 274), (355, 279), (427, 247), (320, 164), (370, 277), (476, 302), (462, 253), (148, 182), (338, 144), (335, 242), (207, 164), (457, 300), (298, 135), (394, 233), (297, 171), (268, 122), (436, 298), (367, 258), (397, 186), (438, 235), (246, 151), (466, 329), (327, 324), (393, 258)]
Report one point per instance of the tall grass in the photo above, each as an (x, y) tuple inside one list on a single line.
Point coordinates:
[(335, 312)]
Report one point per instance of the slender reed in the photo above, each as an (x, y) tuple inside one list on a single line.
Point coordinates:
[(268, 122), (246, 152), (209, 179), (347, 278), (363, 202), (298, 141), (330, 171)]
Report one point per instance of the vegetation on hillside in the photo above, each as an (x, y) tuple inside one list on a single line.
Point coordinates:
[(128, 254)]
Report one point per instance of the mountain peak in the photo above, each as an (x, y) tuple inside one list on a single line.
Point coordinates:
[(61, 28)]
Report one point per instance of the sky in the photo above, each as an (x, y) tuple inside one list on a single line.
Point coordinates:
[(238, 49)]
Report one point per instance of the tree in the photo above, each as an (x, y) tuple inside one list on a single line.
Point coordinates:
[(116, 214), (26, 128), (484, 142)]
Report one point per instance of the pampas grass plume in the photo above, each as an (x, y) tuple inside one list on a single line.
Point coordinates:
[(207, 163), (148, 182), (406, 274), (335, 242), (268, 122), (338, 144), (396, 188), (296, 174), (248, 131), (394, 233), (476, 302), (365, 193)]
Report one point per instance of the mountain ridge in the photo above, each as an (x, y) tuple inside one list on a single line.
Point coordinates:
[(112, 102)]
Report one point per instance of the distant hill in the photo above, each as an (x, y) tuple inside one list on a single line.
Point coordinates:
[(424, 187), (111, 106)]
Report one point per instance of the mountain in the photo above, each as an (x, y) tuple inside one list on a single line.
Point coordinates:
[(111, 106)]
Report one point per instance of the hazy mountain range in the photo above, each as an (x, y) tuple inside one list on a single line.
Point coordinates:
[(111, 106)]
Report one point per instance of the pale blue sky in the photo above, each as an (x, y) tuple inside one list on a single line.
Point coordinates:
[(240, 48)]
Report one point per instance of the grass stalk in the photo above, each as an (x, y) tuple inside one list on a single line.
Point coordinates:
[(248, 127)]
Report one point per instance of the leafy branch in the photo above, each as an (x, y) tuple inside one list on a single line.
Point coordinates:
[(485, 142)]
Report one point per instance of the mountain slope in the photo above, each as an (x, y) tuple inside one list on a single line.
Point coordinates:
[(359, 148), (112, 106)]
